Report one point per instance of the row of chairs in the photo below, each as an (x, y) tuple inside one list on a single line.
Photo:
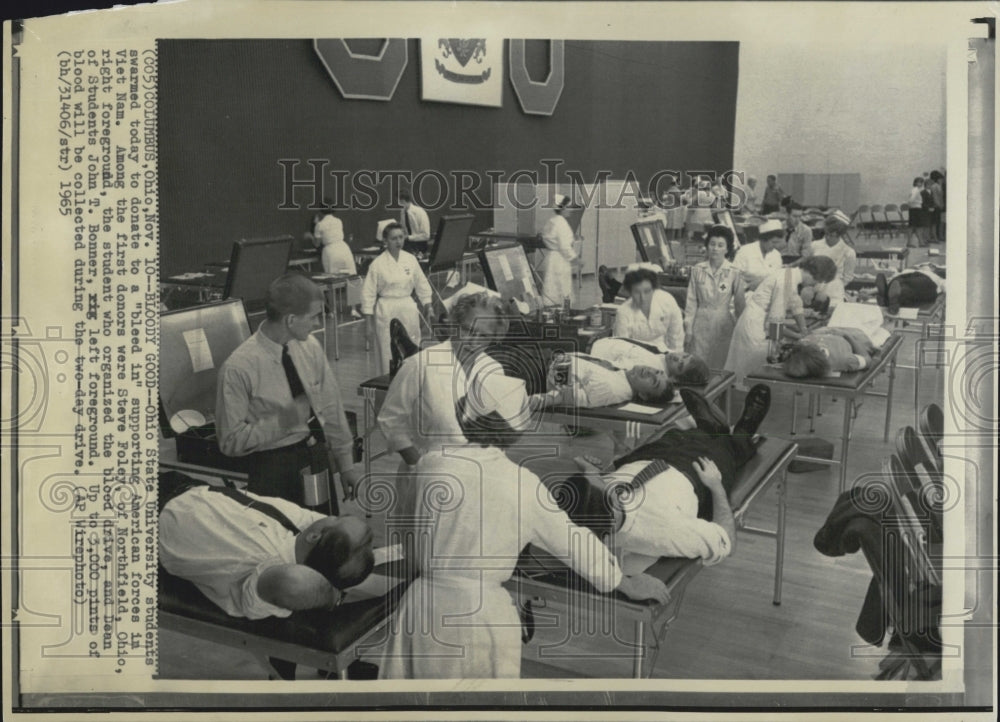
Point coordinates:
[(904, 564), (889, 219)]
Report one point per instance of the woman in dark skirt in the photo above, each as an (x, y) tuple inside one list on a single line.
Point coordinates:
[(917, 219)]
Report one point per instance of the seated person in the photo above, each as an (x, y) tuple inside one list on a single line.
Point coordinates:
[(584, 381), (683, 369), (256, 556), (670, 496), (911, 287)]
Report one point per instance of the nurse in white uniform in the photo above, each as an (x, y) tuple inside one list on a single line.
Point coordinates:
[(834, 245), (478, 510), (756, 261), (328, 236), (715, 298), (387, 293), (651, 314), (557, 269), (775, 298)]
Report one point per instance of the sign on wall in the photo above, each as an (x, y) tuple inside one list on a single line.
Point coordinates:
[(462, 70)]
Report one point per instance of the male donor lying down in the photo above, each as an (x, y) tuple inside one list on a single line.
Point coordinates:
[(669, 497), (618, 370)]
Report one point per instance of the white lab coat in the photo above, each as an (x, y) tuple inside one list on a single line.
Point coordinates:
[(775, 298), (336, 255), (557, 271), (753, 265), (387, 292), (664, 327), (479, 509)]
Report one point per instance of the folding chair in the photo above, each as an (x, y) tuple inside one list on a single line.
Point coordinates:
[(894, 220), (924, 483), (863, 220), (879, 221)]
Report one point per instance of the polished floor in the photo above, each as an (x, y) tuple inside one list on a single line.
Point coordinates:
[(727, 627)]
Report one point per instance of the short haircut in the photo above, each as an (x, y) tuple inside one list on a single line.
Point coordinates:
[(772, 177), (468, 306), (721, 231), (291, 293), (918, 181), (822, 268), (390, 228), (639, 275), (335, 558), (489, 430), (405, 194), (694, 373), (806, 360), (664, 397)]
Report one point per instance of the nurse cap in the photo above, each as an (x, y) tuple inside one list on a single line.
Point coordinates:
[(840, 217), (770, 227), (560, 201)]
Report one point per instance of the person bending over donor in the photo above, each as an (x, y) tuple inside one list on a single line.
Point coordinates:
[(683, 369), (478, 509), (669, 497), (584, 381), (911, 287)]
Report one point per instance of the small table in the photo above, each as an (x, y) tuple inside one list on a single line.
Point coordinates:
[(333, 282), (898, 254)]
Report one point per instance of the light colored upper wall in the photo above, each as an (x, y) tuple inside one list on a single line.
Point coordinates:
[(877, 111)]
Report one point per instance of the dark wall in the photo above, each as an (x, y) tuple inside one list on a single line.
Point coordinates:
[(230, 109)]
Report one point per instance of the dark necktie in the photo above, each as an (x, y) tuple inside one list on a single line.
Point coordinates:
[(599, 361), (646, 346), (263, 507), (298, 389)]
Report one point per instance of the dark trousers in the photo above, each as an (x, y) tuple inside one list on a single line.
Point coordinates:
[(589, 506), (912, 289), (278, 472), (682, 448)]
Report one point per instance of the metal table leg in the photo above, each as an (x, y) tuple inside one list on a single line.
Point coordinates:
[(336, 323), (888, 398), (845, 441), (795, 399), (640, 649), (779, 554)]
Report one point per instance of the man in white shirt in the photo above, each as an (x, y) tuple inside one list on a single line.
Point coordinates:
[(585, 381), (682, 369), (755, 261), (415, 222), (669, 497), (800, 236), (256, 556), (277, 397)]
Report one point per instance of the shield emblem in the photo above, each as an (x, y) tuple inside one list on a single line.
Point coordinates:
[(465, 48)]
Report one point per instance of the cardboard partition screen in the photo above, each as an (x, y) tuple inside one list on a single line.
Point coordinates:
[(253, 265), (194, 342), (508, 272), (450, 241), (651, 241)]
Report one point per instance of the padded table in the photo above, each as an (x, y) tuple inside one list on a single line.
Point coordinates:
[(852, 387), (316, 638), (551, 586)]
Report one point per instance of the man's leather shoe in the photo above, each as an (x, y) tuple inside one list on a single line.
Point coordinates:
[(755, 408)]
